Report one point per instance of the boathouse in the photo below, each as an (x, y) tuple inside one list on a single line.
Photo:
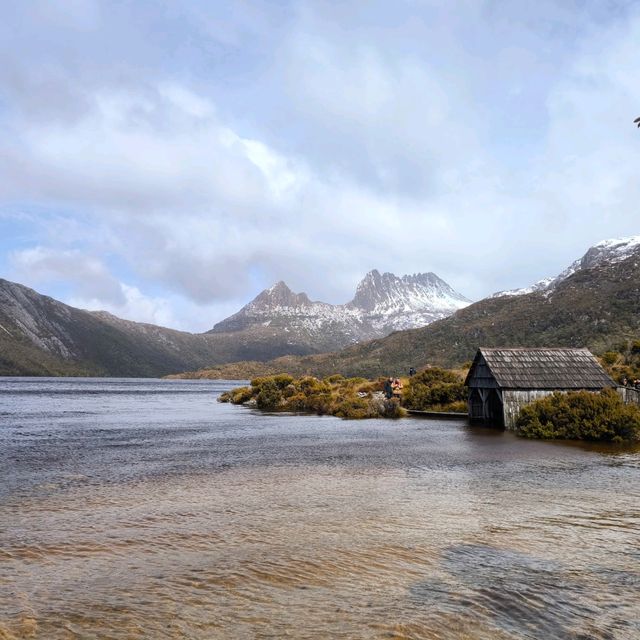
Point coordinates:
[(502, 381)]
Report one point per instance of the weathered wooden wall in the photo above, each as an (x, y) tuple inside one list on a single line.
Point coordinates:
[(482, 378), (629, 396), (513, 400)]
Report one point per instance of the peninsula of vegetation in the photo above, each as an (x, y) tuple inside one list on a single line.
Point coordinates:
[(433, 389)]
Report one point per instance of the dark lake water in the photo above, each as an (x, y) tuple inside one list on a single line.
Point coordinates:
[(144, 509)]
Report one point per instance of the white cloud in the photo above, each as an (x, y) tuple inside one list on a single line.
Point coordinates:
[(491, 144), (91, 286), (87, 275)]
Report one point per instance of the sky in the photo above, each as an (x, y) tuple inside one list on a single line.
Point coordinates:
[(167, 161)]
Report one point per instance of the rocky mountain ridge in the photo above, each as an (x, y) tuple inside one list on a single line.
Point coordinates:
[(382, 303)]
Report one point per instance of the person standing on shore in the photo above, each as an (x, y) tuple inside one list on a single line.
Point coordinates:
[(388, 388), (396, 388)]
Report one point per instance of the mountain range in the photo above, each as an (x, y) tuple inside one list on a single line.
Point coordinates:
[(383, 303), (595, 302), (42, 336)]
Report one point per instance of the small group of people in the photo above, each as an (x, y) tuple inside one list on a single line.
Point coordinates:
[(634, 384), (392, 388)]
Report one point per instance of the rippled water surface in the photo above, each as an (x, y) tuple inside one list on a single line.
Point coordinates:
[(144, 509)]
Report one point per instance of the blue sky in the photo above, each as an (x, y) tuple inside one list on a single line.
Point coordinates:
[(166, 161)]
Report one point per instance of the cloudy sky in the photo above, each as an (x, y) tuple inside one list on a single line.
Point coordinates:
[(168, 160)]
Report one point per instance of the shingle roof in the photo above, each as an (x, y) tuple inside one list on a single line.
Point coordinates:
[(544, 368)]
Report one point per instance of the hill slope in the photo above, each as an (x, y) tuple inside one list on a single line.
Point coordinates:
[(42, 336)]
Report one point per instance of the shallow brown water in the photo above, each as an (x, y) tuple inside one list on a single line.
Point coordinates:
[(144, 509)]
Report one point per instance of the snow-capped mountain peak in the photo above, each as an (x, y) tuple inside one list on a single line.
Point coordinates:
[(604, 252), (613, 250), (279, 295), (389, 294), (382, 303)]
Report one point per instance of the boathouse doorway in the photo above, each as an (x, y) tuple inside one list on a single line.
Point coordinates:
[(485, 405)]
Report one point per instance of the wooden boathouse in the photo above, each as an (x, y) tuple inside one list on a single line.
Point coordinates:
[(502, 381)]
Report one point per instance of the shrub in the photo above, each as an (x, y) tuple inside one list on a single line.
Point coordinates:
[(269, 396), (354, 382), (580, 415), (610, 357), (296, 403), (355, 408), (434, 374), (319, 403), (623, 361), (369, 387), (236, 396), (241, 395), (282, 380), (309, 384), (391, 408), (289, 391), (435, 389)]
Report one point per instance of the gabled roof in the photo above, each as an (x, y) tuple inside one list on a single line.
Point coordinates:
[(543, 368)]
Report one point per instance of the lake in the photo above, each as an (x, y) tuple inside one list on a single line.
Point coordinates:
[(145, 509)]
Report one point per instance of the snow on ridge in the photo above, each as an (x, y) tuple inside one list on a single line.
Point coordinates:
[(541, 285), (625, 244), (608, 251)]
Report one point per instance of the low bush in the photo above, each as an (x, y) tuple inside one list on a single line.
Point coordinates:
[(581, 415), (241, 395), (319, 403), (434, 374), (281, 381), (435, 389), (355, 408), (610, 358), (391, 408), (623, 361), (269, 395), (236, 396)]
